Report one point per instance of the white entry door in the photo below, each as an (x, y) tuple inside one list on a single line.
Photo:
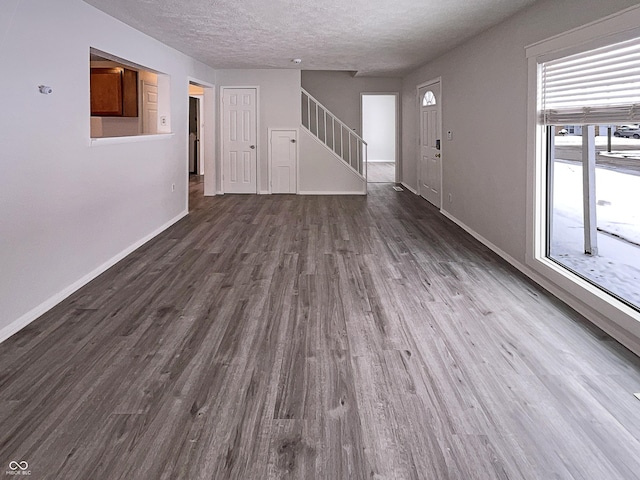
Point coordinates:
[(239, 152), (430, 184), (284, 161)]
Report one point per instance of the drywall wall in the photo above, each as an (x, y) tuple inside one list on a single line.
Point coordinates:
[(278, 107), (484, 105), (340, 92), (69, 209), (322, 172), (379, 127)]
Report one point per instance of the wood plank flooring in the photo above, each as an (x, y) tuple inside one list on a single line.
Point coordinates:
[(274, 337), (381, 172)]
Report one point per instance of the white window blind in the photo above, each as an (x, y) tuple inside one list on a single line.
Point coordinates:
[(600, 86)]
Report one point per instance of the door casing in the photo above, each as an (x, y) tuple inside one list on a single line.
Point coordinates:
[(221, 134)]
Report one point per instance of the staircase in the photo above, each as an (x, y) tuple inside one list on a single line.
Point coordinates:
[(341, 140)]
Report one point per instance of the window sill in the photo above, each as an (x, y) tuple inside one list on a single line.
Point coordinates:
[(95, 142)]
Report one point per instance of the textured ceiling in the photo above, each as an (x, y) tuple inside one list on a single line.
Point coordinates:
[(370, 37)]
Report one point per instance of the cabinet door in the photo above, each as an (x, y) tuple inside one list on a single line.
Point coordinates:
[(106, 92), (129, 93)]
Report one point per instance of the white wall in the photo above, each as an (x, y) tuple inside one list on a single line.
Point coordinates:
[(484, 104), (340, 92), (322, 172), (279, 107), (379, 127), (67, 209)]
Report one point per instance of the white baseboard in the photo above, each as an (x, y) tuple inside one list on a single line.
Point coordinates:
[(621, 335), (331, 193), (412, 190), (51, 302), (381, 161)]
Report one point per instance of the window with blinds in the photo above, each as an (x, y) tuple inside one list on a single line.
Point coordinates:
[(600, 86)]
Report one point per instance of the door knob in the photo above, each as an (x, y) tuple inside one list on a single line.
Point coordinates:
[(293, 140), (437, 155), (252, 147)]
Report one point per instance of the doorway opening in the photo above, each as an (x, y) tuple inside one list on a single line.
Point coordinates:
[(195, 127), (380, 131), (200, 165)]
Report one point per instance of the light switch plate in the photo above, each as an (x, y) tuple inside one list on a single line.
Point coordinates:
[(449, 135)]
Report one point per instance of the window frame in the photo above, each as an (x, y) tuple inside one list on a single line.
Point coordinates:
[(164, 102), (615, 317)]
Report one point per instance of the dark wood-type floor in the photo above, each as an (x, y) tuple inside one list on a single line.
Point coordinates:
[(316, 338)]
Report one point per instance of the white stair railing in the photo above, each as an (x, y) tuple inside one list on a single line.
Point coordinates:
[(337, 136)]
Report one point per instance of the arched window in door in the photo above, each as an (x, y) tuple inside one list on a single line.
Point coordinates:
[(428, 99)]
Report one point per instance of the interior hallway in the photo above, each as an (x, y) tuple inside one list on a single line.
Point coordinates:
[(381, 172), (326, 337)]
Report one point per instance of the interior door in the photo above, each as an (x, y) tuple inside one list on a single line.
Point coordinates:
[(430, 184), (284, 161), (239, 152), (149, 108)]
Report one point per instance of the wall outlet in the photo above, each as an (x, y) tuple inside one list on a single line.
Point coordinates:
[(449, 135), (451, 198), (163, 120)]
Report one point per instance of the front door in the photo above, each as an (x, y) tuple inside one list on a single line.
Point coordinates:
[(239, 153), (284, 161), (430, 184)]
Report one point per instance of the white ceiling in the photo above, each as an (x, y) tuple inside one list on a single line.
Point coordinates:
[(370, 37)]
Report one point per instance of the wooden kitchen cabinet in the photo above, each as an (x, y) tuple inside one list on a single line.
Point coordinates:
[(114, 92)]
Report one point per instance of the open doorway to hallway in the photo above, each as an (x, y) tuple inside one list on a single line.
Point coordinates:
[(380, 131), (196, 96), (201, 134)]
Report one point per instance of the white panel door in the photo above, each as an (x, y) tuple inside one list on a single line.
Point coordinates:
[(430, 184), (239, 157), (284, 161), (149, 108)]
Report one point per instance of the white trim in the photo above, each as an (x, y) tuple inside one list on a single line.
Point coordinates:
[(199, 83), (54, 300), (603, 31), (221, 133), (615, 317), (208, 109), (203, 135), (96, 142), (626, 338), (412, 190)]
